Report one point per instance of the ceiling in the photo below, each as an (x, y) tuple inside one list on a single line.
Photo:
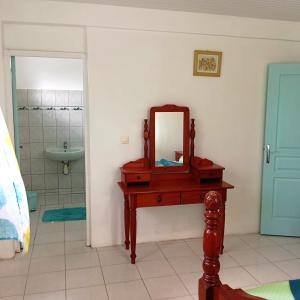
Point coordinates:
[(288, 10)]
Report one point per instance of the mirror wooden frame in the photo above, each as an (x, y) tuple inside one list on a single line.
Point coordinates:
[(186, 137)]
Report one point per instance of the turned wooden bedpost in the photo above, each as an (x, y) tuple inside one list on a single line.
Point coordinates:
[(192, 135), (146, 137), (211, 246)]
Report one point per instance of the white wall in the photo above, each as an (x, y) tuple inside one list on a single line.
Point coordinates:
[(49, 73), (139, 58)]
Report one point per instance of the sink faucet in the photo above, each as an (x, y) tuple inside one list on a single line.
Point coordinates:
[(65, 145)]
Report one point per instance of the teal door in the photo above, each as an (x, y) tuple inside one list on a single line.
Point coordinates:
[(280, 213)]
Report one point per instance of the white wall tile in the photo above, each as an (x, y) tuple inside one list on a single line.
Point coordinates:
[(37, 166), (23, 117), (36, 150), (38, 182), (65, 198), (36, 134), (75, 98), (64, 191), (77, 180), (77, 166), (62, 98), (34, 97), (64, 181), (62, 118), (78, 198), (25, 151), (51, 181), (25, 166), (48, 98), (35, 117), (76, 134), (22, 99), (51, 199), (63, 135), (24, 135), (49, 134), (76, 118), (50, 166), (27, 181), (49, 118)]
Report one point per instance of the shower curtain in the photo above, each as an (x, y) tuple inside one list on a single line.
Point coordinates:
[(14, 214)]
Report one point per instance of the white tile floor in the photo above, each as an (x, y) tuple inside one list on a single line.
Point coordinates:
[(60, 267)]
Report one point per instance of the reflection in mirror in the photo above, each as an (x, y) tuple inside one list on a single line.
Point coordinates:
[(168, 139)]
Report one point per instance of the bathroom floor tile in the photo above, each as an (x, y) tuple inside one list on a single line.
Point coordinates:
[(45, 250), (49, 237), (14, 267), (132, 290), (12, 286), (46, 282), (88, 293), (120, 273), (165, 287), (113, 256), (82, 260), (60, 295), (47, 264), (266, 273), (176, 249), (84, 277), (77, 247), (157, 268)]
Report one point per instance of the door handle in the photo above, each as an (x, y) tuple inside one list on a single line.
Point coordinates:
[(268, 152)]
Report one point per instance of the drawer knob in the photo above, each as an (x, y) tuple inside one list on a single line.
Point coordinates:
[(159, 198)]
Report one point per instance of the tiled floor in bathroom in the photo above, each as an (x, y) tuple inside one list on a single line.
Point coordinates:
[(60, 267)]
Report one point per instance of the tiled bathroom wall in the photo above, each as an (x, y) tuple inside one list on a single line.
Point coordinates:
[(49, 118)]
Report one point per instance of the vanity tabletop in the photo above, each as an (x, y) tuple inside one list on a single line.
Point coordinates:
[(173, 186)]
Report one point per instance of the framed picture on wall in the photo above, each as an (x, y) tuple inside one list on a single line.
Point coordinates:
[(207, 63)]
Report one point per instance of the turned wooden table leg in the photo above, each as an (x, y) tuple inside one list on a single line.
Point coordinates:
[(126, 220), (133, 229), (223, 220)]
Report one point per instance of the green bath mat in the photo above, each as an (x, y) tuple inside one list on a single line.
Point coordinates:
[(64, 214)]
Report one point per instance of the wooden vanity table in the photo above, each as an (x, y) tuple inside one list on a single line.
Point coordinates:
[(160, 180)]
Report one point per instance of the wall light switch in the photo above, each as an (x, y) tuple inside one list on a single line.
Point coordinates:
[(124, 139)]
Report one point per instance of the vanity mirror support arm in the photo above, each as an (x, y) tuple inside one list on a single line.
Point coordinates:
[(146, 138), (192, 135)]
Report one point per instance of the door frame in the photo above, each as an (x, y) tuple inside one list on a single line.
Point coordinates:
[(9, 111)]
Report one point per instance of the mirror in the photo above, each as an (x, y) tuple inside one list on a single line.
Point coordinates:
[(168, 139)]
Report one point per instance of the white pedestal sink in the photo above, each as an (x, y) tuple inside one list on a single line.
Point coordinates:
[(64, 155), (61, 154)]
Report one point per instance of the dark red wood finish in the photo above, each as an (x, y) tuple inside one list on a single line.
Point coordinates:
[(145, 186), (210, 286), (186, 133)]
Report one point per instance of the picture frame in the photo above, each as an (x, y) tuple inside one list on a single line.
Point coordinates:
[(207, 63)]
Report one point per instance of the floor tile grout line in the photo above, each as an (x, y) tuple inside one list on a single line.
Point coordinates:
[(142, 279), (104, 282), (177, 274), (33, 244)]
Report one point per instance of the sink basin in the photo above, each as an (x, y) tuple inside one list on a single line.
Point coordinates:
[(61, 154)]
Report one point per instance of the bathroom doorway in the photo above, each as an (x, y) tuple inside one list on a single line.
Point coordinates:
[(49, 131)]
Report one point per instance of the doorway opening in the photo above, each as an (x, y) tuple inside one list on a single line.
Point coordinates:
[(49, 129)]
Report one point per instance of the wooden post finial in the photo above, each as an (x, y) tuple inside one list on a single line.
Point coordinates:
[(211, 246)]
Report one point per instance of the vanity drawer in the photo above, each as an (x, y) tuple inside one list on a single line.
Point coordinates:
[(138, 177), (192, 197), (211, 174), (157, 199)]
